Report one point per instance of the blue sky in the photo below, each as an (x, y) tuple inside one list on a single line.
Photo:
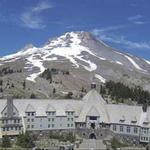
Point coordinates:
[(123, 24)]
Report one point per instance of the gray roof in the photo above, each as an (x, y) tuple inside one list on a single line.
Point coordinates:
[(91, 105)]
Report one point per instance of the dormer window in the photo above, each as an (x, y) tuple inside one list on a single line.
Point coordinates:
[(146, 121), (50, 110), (30, 111), (69, 110), (134, 120), (122, 119)]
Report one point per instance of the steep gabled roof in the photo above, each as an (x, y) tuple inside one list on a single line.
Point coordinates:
[(93, 99), (50, 108), (93, 112), (30, 108), (94, 96), (69, 108)]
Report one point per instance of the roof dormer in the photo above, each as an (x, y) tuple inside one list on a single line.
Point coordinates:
[(122, 119), (134, 120), (30, 108)]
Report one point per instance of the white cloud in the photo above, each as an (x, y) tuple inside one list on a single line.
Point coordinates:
[(102, 35), (32, 18), (136, 17), (110, 28)]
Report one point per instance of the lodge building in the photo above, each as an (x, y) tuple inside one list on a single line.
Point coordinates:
[(91, 112)]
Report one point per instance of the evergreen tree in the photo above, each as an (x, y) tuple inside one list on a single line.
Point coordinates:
[(24, 84), (6, 142), (32, 96), (24, 140), (54, 90)]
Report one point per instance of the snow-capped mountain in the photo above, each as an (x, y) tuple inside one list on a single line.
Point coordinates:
[(84, 56)]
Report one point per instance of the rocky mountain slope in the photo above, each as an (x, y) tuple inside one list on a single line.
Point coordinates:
[(79, 54)]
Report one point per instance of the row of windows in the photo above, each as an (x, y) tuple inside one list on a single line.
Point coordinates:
[(144, 138), (51, 119), (11, 128), (128, 129), (48, 113), (12, 121), (145, 130), (5, 114), (28, 120), (51, 113), (51, 125), (70, 113), (30, 113), (30, 126), (70, 125), (70, 119)]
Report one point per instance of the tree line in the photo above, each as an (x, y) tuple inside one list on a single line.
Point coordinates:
[(118, 90)]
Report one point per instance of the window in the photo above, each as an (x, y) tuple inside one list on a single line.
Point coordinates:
[(121, 128), (68, 125), (68, 119), (71, 119), (52, 125), (49, 126), (28, 114), (135, 130), (145, 130), (52, 119), (114, 127), (11, 128), (32, 126), (15, 128), (32, 120), (28, 120), (3, 129), (93, 118), (32, 113), (128, 129), (28, 126), (49, 119), (71, 125)]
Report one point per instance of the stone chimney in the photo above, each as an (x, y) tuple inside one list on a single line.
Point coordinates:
[(9, 106)]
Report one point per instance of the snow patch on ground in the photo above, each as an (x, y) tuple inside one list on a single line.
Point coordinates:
[(103, 80), (134, 63), (118, 62), (72, 52), (36, 63), (147, 62)]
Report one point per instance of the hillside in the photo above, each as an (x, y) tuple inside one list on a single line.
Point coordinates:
[(74, 60)]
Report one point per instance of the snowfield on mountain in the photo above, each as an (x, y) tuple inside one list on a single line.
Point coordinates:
[(85, 57)]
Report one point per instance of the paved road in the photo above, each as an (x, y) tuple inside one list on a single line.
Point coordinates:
[(91, 144)]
